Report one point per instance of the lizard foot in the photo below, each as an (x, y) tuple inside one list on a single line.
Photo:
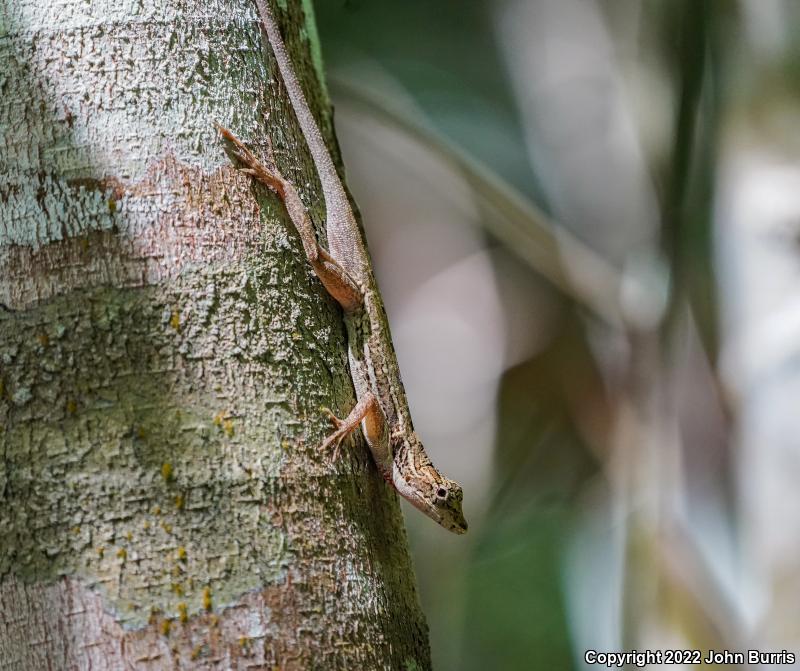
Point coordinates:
[(336, 438), (266, 172)]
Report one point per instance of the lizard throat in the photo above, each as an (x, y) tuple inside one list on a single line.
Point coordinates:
[(411, 495)]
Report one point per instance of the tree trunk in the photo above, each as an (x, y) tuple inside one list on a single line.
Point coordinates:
[(164, 353)]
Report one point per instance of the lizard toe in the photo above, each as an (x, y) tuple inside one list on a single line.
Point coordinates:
[(337, 423)]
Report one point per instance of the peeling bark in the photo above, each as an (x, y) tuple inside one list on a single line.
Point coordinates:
[(164, 351)]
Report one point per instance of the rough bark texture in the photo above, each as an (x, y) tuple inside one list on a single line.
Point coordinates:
[(164, 353)]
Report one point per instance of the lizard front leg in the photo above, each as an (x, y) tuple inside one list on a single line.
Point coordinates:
[(333, 277), (376, 432)]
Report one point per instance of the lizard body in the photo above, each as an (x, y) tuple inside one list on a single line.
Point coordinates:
[(345, 271)]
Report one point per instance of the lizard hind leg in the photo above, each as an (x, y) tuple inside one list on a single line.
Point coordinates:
[(333, 276), (266, 173)]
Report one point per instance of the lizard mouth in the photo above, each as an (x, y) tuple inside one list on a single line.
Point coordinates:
[(459, 528), (430, 511)]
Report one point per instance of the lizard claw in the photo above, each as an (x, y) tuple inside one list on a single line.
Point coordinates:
[(336, 438)]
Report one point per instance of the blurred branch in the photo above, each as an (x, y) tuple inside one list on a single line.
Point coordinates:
[(688, 199), (517, 223)]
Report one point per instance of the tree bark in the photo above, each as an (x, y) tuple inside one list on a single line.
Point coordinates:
[(164, 352)]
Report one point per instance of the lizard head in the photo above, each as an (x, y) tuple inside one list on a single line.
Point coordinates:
[(444, 505), (421, 484)]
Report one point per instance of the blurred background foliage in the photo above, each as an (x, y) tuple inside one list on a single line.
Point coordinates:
[(584, 219)]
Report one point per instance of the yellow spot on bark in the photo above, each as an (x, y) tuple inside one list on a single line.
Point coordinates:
[(177, 588), (183, 614), (181, 553), (122, 554), (146, 525), (166, 527), (72, 407), (157, 510), (243, 641), (227, 426), (165, 626), (129, 536), (218, 418), (207, 604), (101, 551), (112, 206), (179, 502), (166, 471), (175, 320)]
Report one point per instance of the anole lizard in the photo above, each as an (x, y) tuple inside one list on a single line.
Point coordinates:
[(345, 271)]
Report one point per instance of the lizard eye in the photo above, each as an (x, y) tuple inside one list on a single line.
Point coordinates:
[(441, 493)]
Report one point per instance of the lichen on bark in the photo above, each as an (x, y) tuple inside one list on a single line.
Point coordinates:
[(164, 353)]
